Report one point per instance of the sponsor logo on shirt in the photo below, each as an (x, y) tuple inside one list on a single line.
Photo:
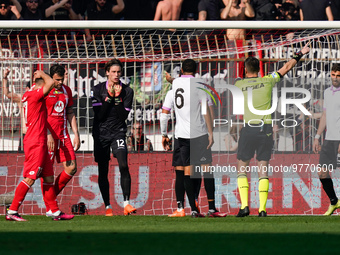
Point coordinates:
[(59, 106)]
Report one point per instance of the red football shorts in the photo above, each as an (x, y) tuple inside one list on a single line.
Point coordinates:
[(63, 151), (37, 163)]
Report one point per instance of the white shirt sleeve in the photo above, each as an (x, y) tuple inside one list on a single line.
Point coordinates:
[(168, 101)]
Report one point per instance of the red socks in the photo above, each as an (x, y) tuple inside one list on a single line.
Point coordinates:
[(48, 190), (19, 195), (61, 181), (49, 197), (59, 185)]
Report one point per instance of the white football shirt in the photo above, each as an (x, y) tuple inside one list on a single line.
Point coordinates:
[(168, 101), (189, 101), (332, 107)]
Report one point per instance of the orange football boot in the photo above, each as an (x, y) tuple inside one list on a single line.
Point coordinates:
[(129, 209), (177, 213), (108, 212)]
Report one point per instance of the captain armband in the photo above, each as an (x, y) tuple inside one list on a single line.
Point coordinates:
[(164, 123)]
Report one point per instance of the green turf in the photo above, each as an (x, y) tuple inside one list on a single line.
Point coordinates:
[(175, 236)]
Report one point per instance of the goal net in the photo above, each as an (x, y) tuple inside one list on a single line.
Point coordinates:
[(146, 54)]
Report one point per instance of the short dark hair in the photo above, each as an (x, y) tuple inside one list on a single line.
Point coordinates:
[(113, 62), (336, 67), (189, 66), (57, 69), (252, 64), (38, 80)]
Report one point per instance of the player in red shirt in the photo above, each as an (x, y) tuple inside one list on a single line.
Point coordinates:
[(37, 163), (59, 104)]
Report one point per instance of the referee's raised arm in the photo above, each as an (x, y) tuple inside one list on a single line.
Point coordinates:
[(296, 58)]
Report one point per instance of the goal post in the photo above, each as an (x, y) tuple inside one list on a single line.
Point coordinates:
[(147, 49), (142, 24)]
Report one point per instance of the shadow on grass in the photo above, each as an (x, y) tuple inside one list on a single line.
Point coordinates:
[(166, 243)]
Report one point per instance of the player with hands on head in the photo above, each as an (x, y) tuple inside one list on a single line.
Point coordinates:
[(330, 120), (37, 163), (112, 102), (59, 105), (258, 135)]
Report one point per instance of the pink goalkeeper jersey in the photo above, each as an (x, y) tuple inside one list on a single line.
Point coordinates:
[(35, 113), (57, 102)]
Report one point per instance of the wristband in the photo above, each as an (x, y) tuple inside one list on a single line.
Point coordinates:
[(118, 100), (297, 56), (108, 99), (317, 136)]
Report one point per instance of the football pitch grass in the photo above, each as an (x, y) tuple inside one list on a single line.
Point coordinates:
[(162, 235)]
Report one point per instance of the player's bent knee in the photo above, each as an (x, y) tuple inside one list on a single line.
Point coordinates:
[(187, 170), (29, 181), (48, 179), (123, 168), (71, 167), (73, 171)]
